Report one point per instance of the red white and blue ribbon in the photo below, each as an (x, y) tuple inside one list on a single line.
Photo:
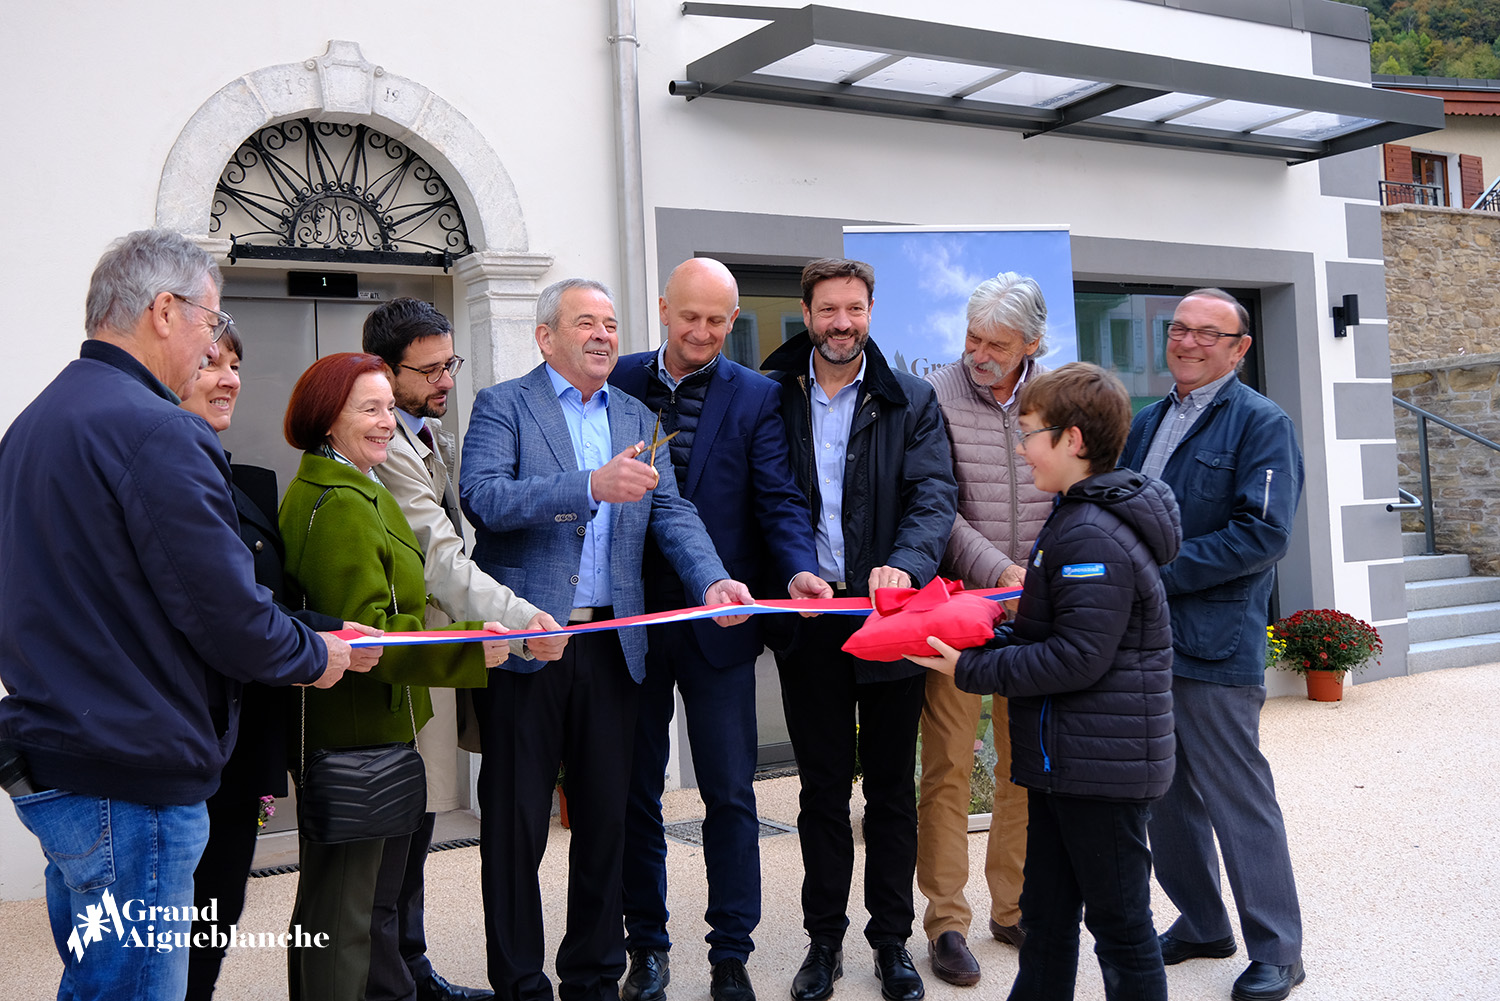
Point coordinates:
[(770, 606)]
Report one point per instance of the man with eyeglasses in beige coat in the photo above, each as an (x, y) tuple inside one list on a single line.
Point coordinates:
[(1000, 513)]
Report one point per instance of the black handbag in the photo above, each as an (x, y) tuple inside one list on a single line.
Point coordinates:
[(360, 793)]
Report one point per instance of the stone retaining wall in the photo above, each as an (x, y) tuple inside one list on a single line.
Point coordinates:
[(1443, 300), (1442, 281), (1465, 474)]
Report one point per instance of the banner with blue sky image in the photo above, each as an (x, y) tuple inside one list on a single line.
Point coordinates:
[(924, 276)]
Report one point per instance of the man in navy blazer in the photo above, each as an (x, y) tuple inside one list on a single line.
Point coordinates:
[(562, 506), (730, 460)]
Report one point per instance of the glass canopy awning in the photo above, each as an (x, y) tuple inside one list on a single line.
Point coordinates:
[(876, 64)]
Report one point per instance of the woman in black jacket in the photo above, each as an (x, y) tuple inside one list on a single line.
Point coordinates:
[(257, 767)]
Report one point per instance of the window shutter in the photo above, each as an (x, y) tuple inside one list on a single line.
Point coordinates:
[(1471, 177), (1398, 163)]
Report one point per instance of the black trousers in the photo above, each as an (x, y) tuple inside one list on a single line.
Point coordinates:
[(221, 875), (823, 701), (1088, 858), (398, 945), (578, 712), (720, 708)]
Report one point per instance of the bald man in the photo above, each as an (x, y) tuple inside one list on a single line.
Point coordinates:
[(730, 457)]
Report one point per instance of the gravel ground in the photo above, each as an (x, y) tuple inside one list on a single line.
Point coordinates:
[(1392, 810)]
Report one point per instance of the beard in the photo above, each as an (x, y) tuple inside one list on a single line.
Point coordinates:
[(838, 355), (421, 406), (985, 373)]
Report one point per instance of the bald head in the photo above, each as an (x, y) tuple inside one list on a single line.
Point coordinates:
[(698, 306)]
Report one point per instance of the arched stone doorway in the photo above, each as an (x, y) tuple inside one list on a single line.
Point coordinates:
[(498, 282)]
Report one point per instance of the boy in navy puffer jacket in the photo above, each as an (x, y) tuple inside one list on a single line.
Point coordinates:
[(1087, 666)]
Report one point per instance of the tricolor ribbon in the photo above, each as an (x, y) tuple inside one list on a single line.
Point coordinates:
[(769, 606)]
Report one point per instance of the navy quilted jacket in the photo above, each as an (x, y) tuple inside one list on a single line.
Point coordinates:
[(1087, 663)]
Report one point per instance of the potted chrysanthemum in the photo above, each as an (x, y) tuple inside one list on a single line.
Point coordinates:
[(1323, 644)]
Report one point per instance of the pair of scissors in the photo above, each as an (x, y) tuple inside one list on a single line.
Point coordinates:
[(658, 441)]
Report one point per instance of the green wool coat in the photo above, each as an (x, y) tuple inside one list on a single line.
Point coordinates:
[(357, 559)]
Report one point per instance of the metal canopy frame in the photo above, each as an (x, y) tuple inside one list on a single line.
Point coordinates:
[(1121, 80)]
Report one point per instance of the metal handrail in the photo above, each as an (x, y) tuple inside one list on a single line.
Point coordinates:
[(1424, 503), (1490, 200)]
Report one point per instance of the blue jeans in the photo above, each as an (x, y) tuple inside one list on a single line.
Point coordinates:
[(108, 862)]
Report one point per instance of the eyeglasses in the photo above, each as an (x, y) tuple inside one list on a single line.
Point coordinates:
[(432, 373), (222, 322), (1021, 435), (1204, 337)]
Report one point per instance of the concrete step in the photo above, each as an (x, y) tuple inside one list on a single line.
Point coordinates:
[(1412, 543), (1435, 567), (1466, 651), (1449, 591), (1453, 622)]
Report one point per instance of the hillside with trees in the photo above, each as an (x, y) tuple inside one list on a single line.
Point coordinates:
[(1458, 38)]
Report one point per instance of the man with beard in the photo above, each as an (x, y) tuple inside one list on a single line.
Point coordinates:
[(868, 451), (1000, 513), (416, 343)]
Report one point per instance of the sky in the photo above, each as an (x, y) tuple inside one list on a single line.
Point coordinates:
[(924, 277)]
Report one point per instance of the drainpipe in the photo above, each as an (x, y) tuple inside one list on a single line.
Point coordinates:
[(635, 323)]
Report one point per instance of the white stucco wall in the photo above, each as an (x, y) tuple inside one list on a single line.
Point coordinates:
[(109, 89)]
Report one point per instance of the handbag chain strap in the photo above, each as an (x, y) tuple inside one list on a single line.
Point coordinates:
[(410, 709)]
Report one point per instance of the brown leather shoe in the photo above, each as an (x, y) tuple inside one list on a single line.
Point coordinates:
[(952, 961), (1010, 934)]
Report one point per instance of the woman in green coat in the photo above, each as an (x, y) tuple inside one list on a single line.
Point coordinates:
[(351, 554)]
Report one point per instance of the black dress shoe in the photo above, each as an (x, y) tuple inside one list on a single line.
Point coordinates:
[(1264, 982), (731, 982), (952, 961), (648, 977), (1011, 934), (1175, 950), (435, 988), (899, 979), (814, 981)]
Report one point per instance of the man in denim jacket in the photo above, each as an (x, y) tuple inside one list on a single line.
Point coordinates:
[(1231, 457)]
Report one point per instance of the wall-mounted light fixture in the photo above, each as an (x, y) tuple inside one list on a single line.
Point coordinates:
[(1346, 316)]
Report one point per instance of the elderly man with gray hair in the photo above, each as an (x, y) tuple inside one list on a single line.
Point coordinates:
[(1000, 513), (129, 619)]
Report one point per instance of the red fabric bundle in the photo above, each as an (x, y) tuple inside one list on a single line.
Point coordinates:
[(904, 617)]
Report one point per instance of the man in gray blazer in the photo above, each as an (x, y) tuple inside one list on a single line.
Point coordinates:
[(561, 501)]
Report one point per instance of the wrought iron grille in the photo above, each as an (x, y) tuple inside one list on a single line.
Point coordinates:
[(325, 191), (1403, 193)]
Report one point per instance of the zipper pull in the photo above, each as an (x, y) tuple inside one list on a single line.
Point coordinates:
[(1265, 503)]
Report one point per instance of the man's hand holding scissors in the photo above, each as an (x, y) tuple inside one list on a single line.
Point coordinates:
[(624, 479)]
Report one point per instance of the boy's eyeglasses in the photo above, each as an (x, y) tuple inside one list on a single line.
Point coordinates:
[(1021, 436)]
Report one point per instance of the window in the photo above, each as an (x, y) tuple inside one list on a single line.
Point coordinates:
[(1431, 168)]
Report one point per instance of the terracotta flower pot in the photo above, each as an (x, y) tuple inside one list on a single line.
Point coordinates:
[(1325, 686)]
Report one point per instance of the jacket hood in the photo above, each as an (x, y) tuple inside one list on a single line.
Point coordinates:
[(792, 357), (1144, 503)]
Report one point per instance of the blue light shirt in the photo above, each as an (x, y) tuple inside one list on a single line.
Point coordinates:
[(1182, 415), (413, 423), (588, 426), (666, 377), (831, 420)]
